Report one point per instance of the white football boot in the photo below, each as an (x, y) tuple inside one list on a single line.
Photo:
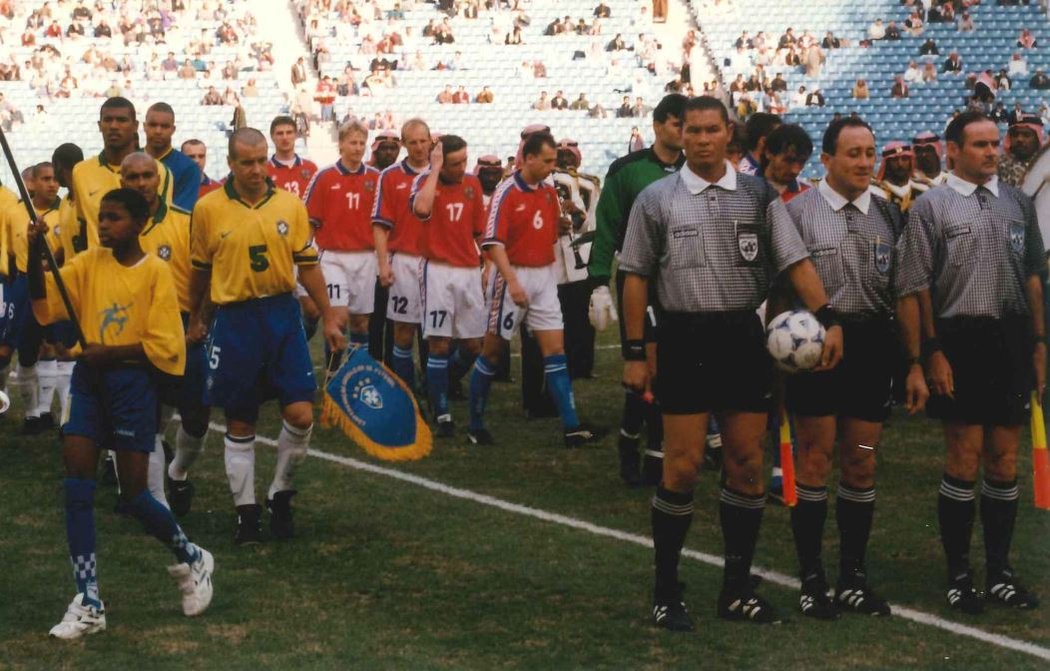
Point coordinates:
[(194, 582), (79, 620)]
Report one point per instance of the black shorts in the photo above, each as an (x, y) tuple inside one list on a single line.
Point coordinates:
[(715, 361), (652, 312), (991, 362), (860, 386)]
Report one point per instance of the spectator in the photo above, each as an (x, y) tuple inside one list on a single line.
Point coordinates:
[(899, 88), (788, 39), (229, 97), (877, 31), (460, 97), (640, 109), (953, 65), (102, 30), (559, 102), (212, 97), (929, 48), (744, 41), (965, 23), (929, 72), (815, 98), (914, 24), (229, 71), (830, 41), (1003, 81), (580, 104), (659, 11), (539, 70), (998, 114), (814, 60), (602, 11), (485, 97), (443, 33), (543, 104), (1017, 65), (913, 75), (616, 44), (892, 31), (636, 142), (445, 96), (1015, 114), (250, 89), (1026, 40), (799, 99), (1022, 142), (624, 110), (325, 97), (860, 90), (513, 37), (299, 72), (1039, 81)]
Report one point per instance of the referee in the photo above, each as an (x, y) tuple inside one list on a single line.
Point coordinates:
[(711, 241), (970, 263), (851, 234)]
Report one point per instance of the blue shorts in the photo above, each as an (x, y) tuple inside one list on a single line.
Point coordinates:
[(61, 333), (257, 351), (116, 408), (16, 309), (187, 392)]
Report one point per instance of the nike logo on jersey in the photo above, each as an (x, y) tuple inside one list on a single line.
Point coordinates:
[(222, 236), (92, 193), (334, 186), (520, 208), (402, 186)]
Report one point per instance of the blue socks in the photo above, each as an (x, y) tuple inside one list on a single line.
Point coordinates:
[(359, 339), (560, 385), (437, 384), (403, 366), (160, 523), (480, 383), (80, 534), (459, 364)]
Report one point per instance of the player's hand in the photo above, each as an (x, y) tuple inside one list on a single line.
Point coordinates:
[(916, 393), (517, 293), (564, 226), (1039, 363), (486, 275), (94, 354), (197, 332), (35, 230), (437, 156), (939, 375), (636, 376), (832, 353), (386, 274), (333, 335)]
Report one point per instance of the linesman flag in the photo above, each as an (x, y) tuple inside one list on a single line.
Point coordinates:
[(787, 460), (375, 409), (1040, 456)]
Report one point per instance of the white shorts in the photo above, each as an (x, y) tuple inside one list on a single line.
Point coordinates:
[(543, 312), (404, 305), (453, 301), (351, 280)]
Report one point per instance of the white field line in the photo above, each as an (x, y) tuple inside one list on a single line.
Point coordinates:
[(774, 577)]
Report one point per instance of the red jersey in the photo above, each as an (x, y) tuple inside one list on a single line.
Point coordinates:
[(392, 208), (207, 186), (295, 177), (796, 188), (524, 219), (456, 219), (340, 205)]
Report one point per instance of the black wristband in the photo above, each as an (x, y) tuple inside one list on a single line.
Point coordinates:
[(634, 350), (827, 316), (929, 346)]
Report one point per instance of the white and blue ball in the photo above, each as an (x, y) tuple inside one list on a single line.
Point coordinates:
[(795, 340)]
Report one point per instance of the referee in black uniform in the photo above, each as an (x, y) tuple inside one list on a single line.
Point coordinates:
[(970, 263), (712, 241), (851, 235)]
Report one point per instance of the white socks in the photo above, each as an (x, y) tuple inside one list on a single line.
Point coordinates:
[(28, 380), (292, 444), (155, 474), (47, 372), (62, 379), (240, 468), (187, 449)]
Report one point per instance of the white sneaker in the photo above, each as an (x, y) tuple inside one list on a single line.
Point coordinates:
[(79, 620), (194, 582)]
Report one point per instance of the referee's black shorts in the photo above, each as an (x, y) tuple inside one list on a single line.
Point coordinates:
[(991, 362), (712, 361), (652, 311), (860, 386)]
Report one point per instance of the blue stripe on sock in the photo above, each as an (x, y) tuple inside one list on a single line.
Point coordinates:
[(80, 534)]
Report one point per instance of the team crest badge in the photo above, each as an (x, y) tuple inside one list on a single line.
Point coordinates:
[(1017, 237), (305, 174), (370, 185), (468, 192), (282, 227), (883, 254), (371, 397), (747, 243), (164, 252)]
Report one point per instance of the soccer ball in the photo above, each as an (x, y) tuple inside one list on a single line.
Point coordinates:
[(795, 340)]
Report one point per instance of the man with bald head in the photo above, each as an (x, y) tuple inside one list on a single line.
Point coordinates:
[(246, 241)]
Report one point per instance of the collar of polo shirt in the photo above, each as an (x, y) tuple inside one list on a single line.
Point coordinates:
[(697, 184), (837, 201), (964, 188)]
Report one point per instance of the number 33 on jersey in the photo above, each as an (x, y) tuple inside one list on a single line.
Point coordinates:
[(252, 250)]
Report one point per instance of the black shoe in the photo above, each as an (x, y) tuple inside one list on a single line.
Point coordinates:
[(455, 391), (630, 472), (1007, 590), (584, 434), (446, 429), (853, 594), (669, 611), (280, 506), (814, 601), (652, 468), (46, 423), (109, 471), (31, 426), (962, 596), (743, 605), (249, 531), (180, 496), (480, 438)]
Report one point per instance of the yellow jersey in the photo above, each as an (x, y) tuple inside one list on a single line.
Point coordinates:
[(121, 305), (93, 178), (251, 249), (16, 222), (167, 236), (67, 229), (9, 205)]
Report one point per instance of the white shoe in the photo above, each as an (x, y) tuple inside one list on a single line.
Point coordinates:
[(79, 620), (194, 582)]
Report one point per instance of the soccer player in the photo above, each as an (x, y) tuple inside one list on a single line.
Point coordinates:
[(448, 201), (197, 152), (126, 301), (287, 169), (894, 181), (339, 201), (159, 127), (245, 240), (851, 234), (626, 178), (970, 263), (97, 175), (167, 236), (757, 128), (712, 240), (523, 224), (396, 229), (787, 149)]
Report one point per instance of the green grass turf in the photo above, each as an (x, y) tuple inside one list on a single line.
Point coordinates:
[(385, 574)]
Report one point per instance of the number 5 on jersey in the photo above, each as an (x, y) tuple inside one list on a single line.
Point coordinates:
[(257, 256)]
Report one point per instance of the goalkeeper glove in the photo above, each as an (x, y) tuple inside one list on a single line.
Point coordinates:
[(601, 311)]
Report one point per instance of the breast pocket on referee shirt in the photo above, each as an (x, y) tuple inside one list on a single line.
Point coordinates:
[(685, 247), (828, 262), (960, 243)]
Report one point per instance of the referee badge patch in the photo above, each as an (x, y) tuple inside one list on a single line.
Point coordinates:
[(883, 254), (747, 244), (282, 227), (1017, 237)]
